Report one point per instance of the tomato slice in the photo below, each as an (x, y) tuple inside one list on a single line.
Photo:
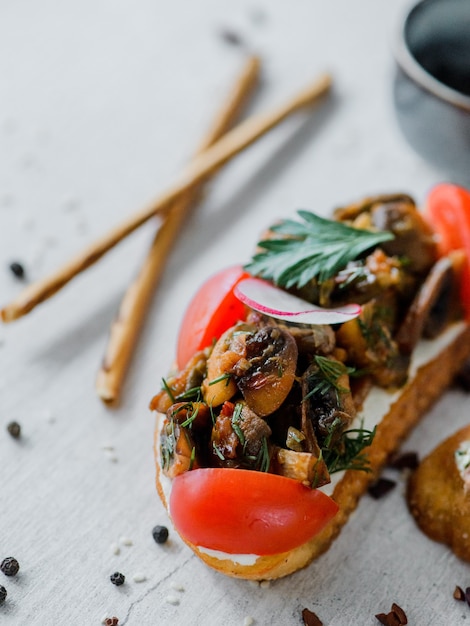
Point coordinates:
[(448, 207), (247, 512), (210, 313)]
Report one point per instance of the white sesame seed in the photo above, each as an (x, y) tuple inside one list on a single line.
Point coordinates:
[(139, 578), (125, 541), (248, 621), (172, 600), (265, 584), (115, 549), (177, 586)]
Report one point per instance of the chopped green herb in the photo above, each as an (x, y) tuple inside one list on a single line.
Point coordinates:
[(236, 418), (220, 378), (263, 459), (192, 458), (326, 379), (168, 389), (316, 248), (190, 394), (348, 455), (190, 419), (218, 451)]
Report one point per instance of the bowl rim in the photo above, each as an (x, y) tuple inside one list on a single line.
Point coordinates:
[(415, 71)]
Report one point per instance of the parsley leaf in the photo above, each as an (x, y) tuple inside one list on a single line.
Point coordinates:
[(316, 248)]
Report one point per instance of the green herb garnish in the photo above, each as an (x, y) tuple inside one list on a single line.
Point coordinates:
[(168, 390), (220, 378), (318, 248), (263, 459), (190, 419), (326, 379), (348, 454), (236, 418)]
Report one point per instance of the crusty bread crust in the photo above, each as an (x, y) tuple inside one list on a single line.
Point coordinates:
[(430, 381), (438, 498)]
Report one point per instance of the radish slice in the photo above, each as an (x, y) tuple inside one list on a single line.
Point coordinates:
[(265, 298)]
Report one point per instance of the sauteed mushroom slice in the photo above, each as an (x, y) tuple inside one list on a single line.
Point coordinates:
[(352, 211), (191, 376), (266, 375), (414, 238), (302, 466), (430, 310), (327, 404), (219, 386), (183, 438)]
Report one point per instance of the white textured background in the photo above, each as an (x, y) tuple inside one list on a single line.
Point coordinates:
[(101, 102)]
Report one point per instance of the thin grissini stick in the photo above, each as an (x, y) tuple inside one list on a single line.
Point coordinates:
[(231, 144), (126, 327)]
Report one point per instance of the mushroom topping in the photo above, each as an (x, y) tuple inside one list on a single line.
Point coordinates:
[(238, 436), (179, 439), (414, 238), (429, 312), (327, 402), (219, 386), (267, 373), (190, 377), (302, 466)]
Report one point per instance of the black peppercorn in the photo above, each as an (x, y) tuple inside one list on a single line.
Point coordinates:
[(14, 429), (117, 579), (160, 534), (111, 621), (3, 594), (10, 566), (17, 269)]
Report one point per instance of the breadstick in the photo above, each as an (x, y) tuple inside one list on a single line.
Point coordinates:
[(204, 164), (126, 327)]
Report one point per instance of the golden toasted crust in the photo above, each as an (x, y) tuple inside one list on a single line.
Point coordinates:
[(437, 497), (416, 398)]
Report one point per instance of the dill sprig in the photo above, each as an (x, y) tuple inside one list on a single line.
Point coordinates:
[(316, 248), (326, 379), (236, 418), (348, 453), (263, 459)]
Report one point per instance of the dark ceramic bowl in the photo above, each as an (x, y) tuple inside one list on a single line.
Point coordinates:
[(432, 84)]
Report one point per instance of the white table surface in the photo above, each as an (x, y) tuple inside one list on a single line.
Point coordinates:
[(101, 103)]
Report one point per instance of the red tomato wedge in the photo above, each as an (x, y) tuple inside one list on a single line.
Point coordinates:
[(247, 512), (210, 313), (448, 208)]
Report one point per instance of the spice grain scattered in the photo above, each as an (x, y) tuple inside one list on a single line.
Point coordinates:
[(407, 460), (117, 579), (381, 488), (10, 566), (14, 429), (17, 270), (459, 594), (3, 594), (172, 600), (310, 618), (160, 534)]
